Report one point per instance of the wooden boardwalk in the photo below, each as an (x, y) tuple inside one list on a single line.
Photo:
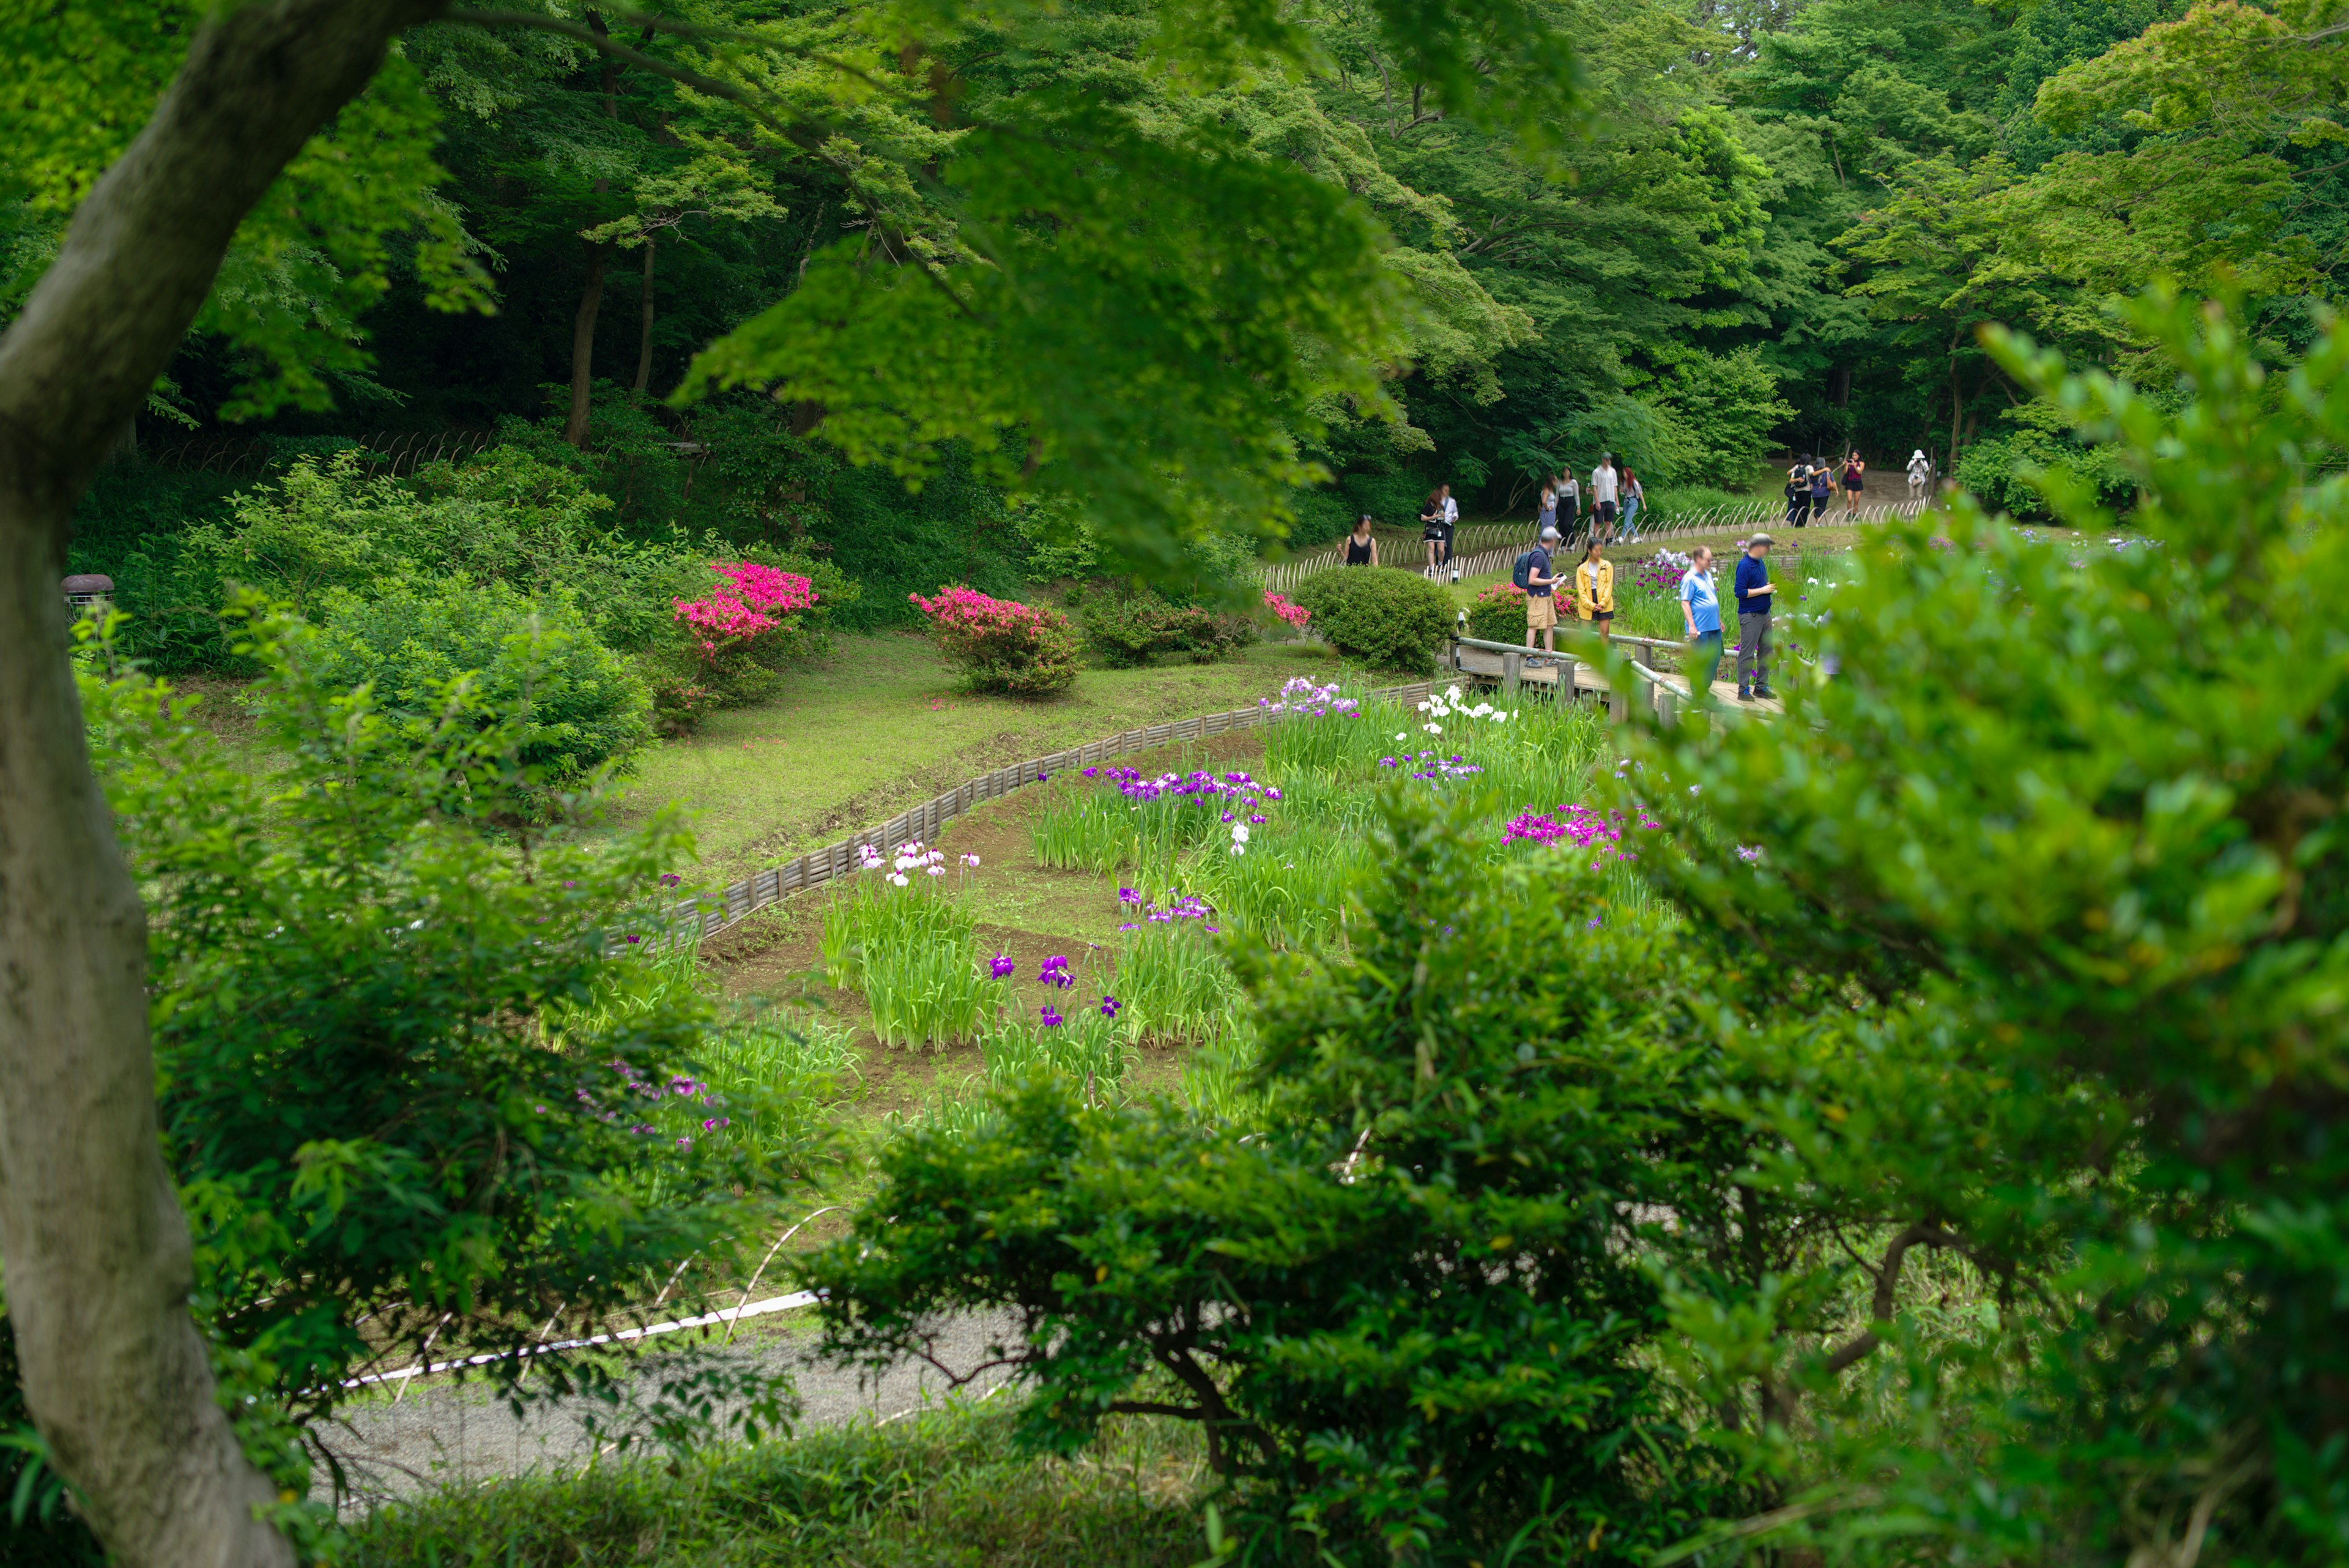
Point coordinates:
[(1491, 661)]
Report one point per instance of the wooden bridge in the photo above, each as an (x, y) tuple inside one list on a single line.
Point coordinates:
[(1574, 671)]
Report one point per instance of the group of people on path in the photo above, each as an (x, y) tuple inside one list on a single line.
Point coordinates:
[(1701, 608), (1616, 496)]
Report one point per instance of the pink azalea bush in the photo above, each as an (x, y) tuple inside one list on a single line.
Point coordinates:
[(738, 633), (1002, 645), (1287, 609)]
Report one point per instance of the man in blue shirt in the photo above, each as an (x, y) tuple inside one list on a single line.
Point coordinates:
[(1701, 606), (1753, 620)]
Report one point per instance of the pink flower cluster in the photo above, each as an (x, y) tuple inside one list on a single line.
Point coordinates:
[(750, 599), (970, 613), (1287, 609), (1581, 827)]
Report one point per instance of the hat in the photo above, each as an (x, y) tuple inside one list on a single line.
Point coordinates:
[(1550, 533), (1918, 454), (1759, 539)]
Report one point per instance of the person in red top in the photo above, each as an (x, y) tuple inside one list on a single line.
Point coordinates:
[(1855, 480)]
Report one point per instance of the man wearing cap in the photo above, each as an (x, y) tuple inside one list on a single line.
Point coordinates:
[(1753, 620), (1541, 587)]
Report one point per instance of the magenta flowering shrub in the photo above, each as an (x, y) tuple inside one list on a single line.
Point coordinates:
[(1287, 609), (1002, 645), (737, 637)]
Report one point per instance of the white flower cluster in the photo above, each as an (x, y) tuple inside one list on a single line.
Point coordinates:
[(1451, 704), (909, 859), (1239, 837)]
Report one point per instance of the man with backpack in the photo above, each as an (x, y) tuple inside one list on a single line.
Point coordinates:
[(1537, 576)]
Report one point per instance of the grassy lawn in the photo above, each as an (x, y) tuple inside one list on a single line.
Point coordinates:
[(881, 726)]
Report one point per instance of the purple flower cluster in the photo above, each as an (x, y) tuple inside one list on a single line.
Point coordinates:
[(1304, 699), (1227, 790), (1001, 964), (1183, 907), (1052, 1020), (1430, 766), (1056, 972), (1581, 827)]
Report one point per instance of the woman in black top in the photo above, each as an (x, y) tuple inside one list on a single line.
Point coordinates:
[(1362, 550)]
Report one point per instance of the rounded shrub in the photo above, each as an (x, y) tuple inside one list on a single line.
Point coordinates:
[(583, 704), (1002, 645), (1387, 619)]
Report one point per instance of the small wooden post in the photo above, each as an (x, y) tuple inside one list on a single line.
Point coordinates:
[(1618, 706), (1668, 706), (1511, 665)]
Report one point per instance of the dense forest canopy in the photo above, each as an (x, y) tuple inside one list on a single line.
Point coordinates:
[(1749, 229)]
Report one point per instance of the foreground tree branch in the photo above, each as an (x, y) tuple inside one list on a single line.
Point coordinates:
[(97, 1253)]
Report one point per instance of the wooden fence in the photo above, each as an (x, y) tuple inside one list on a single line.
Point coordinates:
[(714, 912)]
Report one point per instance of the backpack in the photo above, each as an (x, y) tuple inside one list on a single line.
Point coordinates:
[(1522, 573)]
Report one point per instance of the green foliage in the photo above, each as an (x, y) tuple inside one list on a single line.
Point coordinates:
[(1386, 619), (1725, 411), (1407, 1305), (2102, 934), (914, 954), (944, 1484), (416, 1085), (581, 706), (2004, 473), (1127, 629)]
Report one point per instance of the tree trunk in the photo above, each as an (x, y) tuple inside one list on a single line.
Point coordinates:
[(95, 1251), (583, 342), (644, 342), (1956, 413)]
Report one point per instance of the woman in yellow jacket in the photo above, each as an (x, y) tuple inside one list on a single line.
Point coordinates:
[(1594, 587)]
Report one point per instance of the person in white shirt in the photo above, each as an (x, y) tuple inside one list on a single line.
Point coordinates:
[(1451, 525), (1569, 504), (1603, 496), (1921, 473)]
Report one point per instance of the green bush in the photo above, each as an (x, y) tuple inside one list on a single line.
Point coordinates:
[(1388, 619), (581, 705), (2005, 472), (1126, 630), (1413, 1306), (415, 1079)]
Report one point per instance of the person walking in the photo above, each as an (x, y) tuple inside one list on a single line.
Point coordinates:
[(1855, 480), (1920, 475), (1594, 589), (1634, 498), (1451, 526), (1798, 493), (1822, 488), (1700, 608), (1753, 592), (1431, 527), (1604, 491), (1569, 504), (1541, 592), (1545, 514), (1361, 548)]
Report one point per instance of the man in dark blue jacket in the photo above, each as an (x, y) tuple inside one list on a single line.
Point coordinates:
[(1753, 620)]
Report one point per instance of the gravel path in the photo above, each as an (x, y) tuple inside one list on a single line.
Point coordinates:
[(442, 1432)]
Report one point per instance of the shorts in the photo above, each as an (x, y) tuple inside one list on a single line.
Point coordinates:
[(1541, 612), (1600, 614), (1432, 536), (1856, 485), (1606, 512)]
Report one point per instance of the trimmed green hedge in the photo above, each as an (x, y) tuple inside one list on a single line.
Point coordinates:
[(1384, 617)]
